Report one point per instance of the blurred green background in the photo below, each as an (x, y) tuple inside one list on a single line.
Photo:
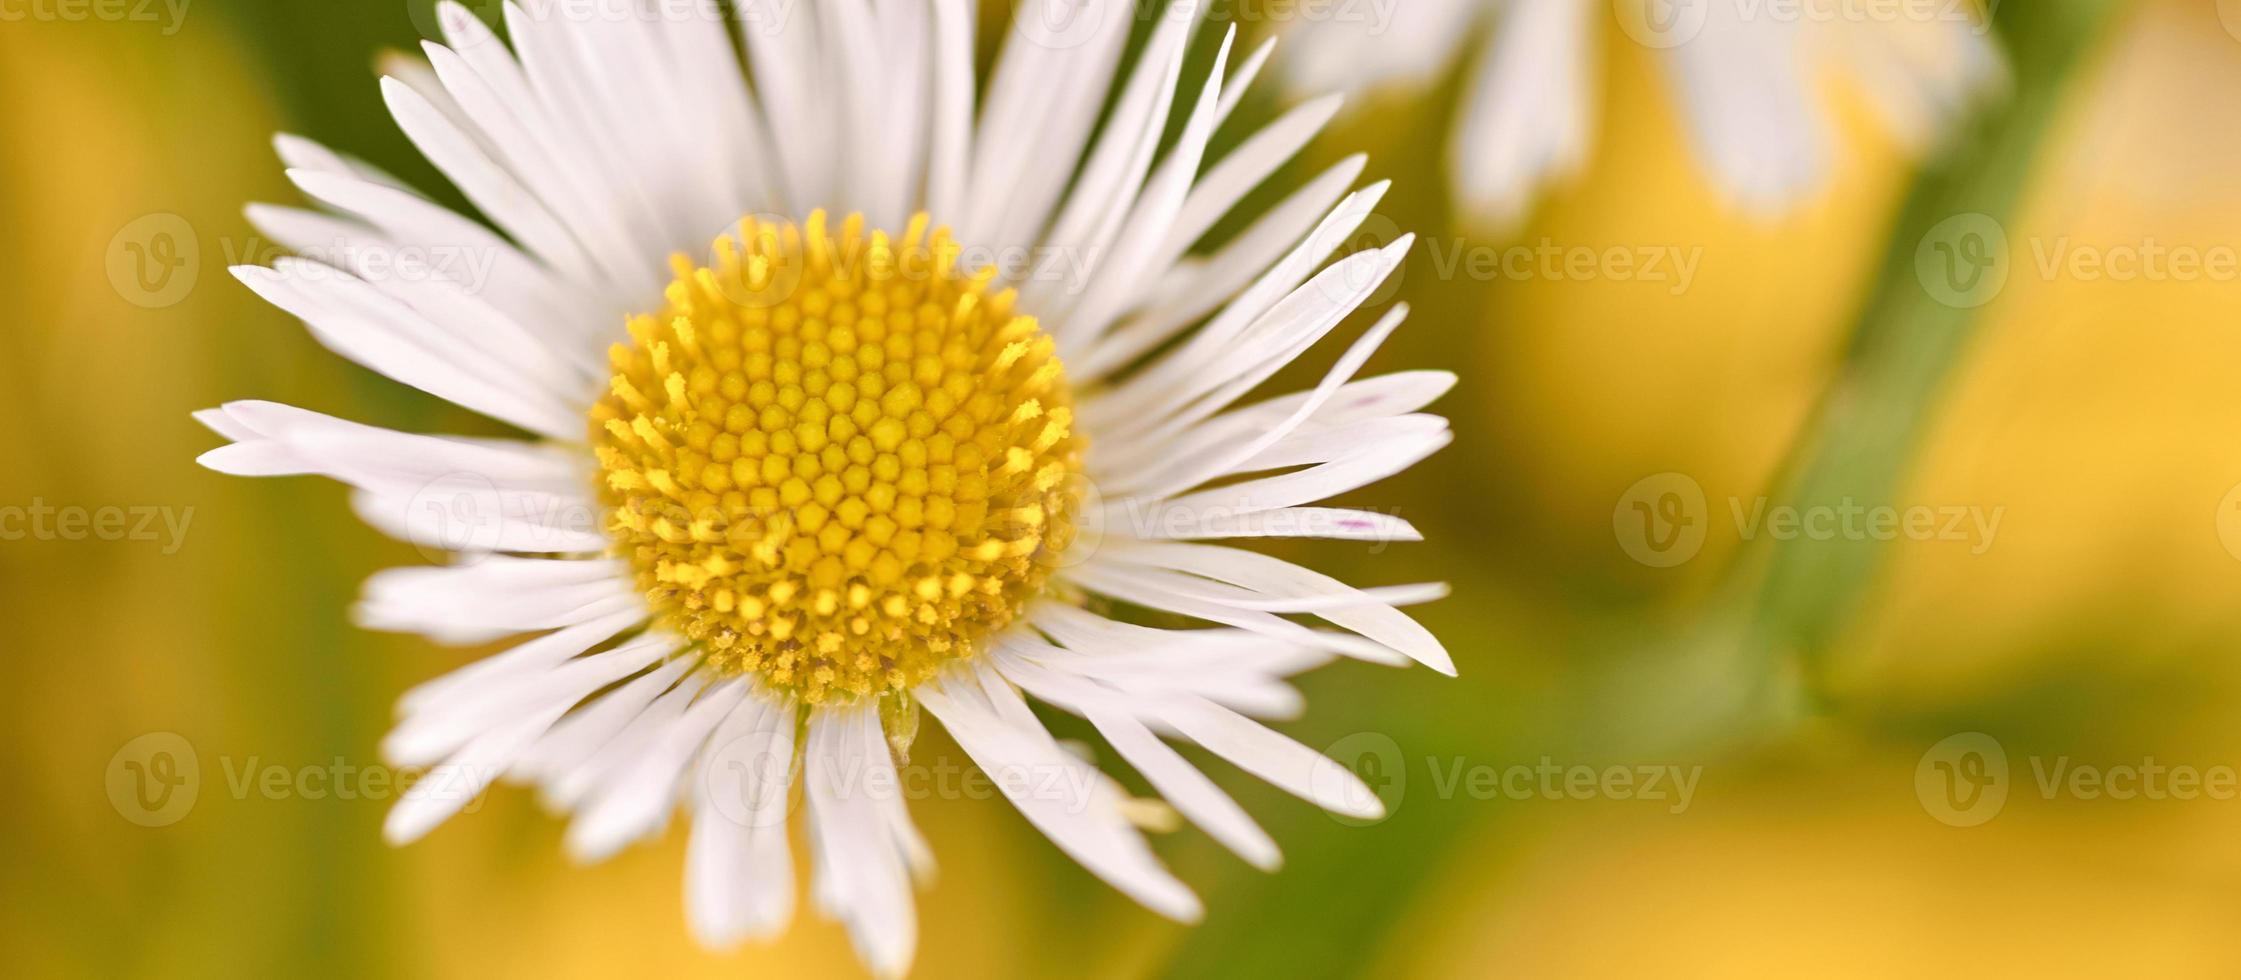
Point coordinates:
[(1811, 690)]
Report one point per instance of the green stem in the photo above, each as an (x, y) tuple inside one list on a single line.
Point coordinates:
[(1912, 336)]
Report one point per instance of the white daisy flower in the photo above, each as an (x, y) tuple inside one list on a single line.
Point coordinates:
[(1746, 74), (778, 498)]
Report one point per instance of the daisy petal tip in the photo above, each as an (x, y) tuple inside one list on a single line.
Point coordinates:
[(1187, 909), (214, 460), (263, 215), (1266, 859), (714, 937), (454, 18), (392, 87), (259, 458), (585, 849), (290, 148), (213, 419), (405, 824)]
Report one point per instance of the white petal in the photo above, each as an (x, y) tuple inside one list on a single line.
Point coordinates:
[(359, 322), (1529, 111), (1751, 107), (440, 728), (1320, 482), (1275, 577), (447, 788), (862, 877), (1042, 103), (577, 741), (528, 658), (571, 780), (495, 596), (1285, 764), (1058, 793), (1192, 470), (1180, 783), (1154, 589), (638, 803), (1194, 288), (447, 286), (1136, 242), (1244, 169), (1404, 45), (739, 873), (494, 191), (1114, 174)]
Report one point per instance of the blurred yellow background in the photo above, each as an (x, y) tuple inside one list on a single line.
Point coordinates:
[(2096, 416)]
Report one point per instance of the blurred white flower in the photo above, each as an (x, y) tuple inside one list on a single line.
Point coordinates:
[(1747, 74)]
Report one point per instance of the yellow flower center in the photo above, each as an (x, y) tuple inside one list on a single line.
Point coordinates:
[(837, 461)]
